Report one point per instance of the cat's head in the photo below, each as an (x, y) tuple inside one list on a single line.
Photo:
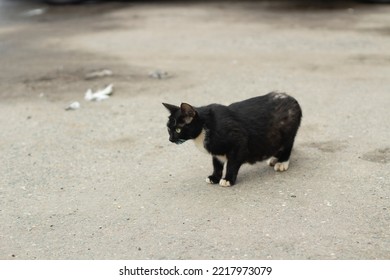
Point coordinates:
[(182, 123)]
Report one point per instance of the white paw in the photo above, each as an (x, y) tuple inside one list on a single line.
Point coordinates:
[(281, 166), (224, 183), (272, 161), (208, 181)]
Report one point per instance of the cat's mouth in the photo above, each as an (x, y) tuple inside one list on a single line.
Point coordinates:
[(180, 141)]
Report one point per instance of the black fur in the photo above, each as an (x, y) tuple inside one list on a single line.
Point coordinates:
[(246, 132)]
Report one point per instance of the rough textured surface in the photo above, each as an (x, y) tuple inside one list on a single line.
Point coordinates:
[(103, 181)]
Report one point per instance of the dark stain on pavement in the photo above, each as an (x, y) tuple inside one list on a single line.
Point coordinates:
[(331, 146), (377, 155)]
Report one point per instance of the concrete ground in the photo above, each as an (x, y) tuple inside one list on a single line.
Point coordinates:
[(104, 182)]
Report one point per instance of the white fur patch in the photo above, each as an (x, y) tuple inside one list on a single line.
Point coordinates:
[(272, 161), (199, 141), (281, 166), (222, 159), (224, 183), (208, 181), (279, 95)]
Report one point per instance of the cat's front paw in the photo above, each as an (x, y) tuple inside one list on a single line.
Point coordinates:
[(224, 183), (212, 180)]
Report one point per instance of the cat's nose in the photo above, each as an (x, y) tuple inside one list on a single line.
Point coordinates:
[(171, 139)]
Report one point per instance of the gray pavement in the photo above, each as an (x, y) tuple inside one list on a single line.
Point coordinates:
[(104, 182)]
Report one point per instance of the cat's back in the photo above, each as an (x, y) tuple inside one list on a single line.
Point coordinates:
[(272, 108), (263, 102)]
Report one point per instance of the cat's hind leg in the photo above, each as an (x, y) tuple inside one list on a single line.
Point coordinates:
[(278, 166), (217, 173), (281, 161), (272, 161), (281, 166)]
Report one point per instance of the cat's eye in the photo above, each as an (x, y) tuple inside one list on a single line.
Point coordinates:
[(178, 130)]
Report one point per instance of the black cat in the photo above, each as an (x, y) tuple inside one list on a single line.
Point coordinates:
[(255, 129)]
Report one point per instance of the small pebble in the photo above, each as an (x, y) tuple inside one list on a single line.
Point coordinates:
[(158, 74)]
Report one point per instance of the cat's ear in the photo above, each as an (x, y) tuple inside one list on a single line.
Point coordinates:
[(171, 108), (188, 112)]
